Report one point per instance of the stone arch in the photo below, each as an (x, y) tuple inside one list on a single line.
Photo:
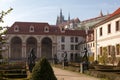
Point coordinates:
[(46, 48), (16, 48), (31, 42)]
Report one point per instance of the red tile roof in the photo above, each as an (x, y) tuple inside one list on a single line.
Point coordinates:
[(39, 29), (115, 13)]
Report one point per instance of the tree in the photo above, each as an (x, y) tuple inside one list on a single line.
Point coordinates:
[(104, 57), (113, 56), (43, 71), (2, 14)]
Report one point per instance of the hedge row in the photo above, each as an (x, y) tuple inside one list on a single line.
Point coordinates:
[(106, 75)]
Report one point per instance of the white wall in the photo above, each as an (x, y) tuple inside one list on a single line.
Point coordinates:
[(107, 39)]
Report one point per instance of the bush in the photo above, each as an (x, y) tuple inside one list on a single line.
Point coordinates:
[(43, 71)]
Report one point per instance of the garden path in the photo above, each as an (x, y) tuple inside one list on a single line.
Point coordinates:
[(69, 75)]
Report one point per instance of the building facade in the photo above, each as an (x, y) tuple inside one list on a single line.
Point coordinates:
[(47, 41), (50, 41), (107, 37)]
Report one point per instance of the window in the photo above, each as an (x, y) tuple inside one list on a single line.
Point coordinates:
[(93, 44), (109, 50), (109, 28), (76, 39), (72, 39), (76, 47), (71, 57), (72, 47), (62, 29), (16, 28), (62, 47), (46, 29), (92, 36), (62, 39), (31, 28), (118, 49), (101, 51), (117, 26), (101, 31)]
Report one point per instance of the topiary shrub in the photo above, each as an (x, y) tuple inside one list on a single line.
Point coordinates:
[(43, 71)]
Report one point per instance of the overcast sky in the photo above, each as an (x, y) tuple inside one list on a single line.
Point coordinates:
[(47, 10)]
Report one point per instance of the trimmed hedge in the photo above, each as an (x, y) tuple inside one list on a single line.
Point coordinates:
[(106, 75), (43, 71)]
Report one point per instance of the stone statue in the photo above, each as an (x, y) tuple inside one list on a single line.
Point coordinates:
[(65, 61), (85, 60), (85, 57), (31, 59), (55, 59)]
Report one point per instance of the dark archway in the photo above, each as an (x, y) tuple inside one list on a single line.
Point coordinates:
[(46, 48), (31, 43), (16, 48)]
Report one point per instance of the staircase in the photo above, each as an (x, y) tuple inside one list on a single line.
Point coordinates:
[(11, 72)]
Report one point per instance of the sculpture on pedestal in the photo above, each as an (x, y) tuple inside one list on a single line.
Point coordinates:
[(31, 59), (85, 60), (65, 61)]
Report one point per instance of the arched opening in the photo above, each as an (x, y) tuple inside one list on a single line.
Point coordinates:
[(31, 43), (16, 48), (46, 48)]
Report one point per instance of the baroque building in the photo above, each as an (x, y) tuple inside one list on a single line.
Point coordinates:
[(55, 40), (47, 40), (107, 37)]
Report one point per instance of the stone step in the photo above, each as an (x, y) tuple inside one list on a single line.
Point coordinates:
[(15, 75)]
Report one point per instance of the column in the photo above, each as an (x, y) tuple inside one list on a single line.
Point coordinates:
[(38, 50), (8, 51), (54, 50), (24, 50)]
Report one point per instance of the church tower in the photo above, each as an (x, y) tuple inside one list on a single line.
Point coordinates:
[(60, 19), (69, 17)]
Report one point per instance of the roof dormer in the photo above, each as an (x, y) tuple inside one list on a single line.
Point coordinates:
[(16, 28), (62, 29), (31, 29), (46, 29)]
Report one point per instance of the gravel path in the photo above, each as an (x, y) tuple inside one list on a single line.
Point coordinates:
[(69, 75)]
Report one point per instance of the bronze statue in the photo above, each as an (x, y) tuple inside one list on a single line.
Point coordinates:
[(65, 61), (85, 57), (31, 59), (85, 60)]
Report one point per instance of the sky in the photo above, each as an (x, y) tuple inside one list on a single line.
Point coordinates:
[(48, 10)]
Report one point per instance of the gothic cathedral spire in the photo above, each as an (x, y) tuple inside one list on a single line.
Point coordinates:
[(101, 14), (69, 17)]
